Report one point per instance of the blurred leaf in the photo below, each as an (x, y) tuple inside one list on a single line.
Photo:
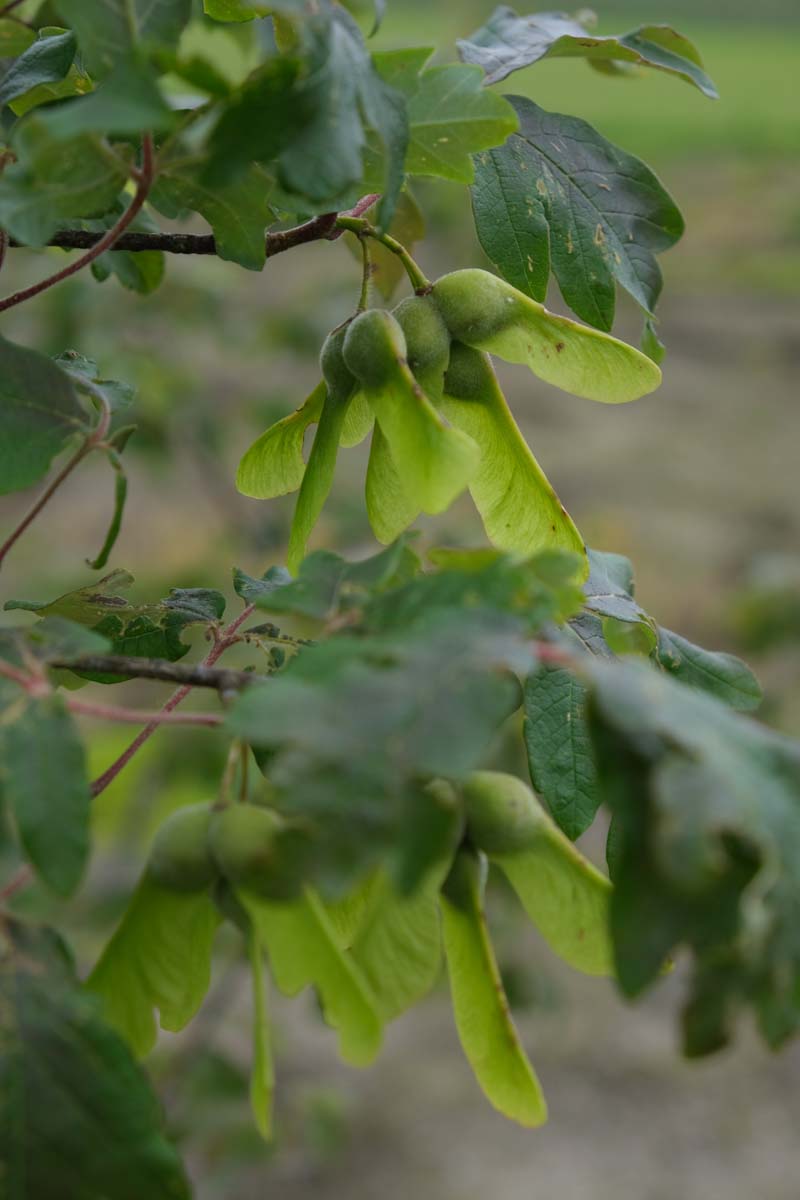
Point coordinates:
[(235, 10), (159, 957), (274, 464), (54, 181), (559, 195), (77, 1117), (15, 37), (251, 589), (488, 1036), (508, 43), (238, 212), (40, 414), (708, 854), (47, 60), (44, 783), (318, 477), (126, 103), (262, 1080), (109, 30), (302, 949)]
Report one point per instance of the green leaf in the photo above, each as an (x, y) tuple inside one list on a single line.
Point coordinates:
[(489, 314), (15, 37), (159, 958), (234, 10), (451, 117), (565, 896), (77, 1117), (109, 30), (558, 195), (47, 60), (723, 675), (257, 122), (509, 43), (40, 413), (519, 508), (708, 851), (483, 1019), (318, 477), (398, 947), (125, 104), (54, 181), (302, 949), (262, 1080), (560, 755), (43, 781), (238, 212), (609, 588), (389, 508), (274, 464)]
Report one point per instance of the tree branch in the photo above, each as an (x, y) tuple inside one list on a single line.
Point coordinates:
[(144, 179), (322, 228), (194, 674), (132, 716)]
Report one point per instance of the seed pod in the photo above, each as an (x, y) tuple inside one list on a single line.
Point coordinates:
[(427, 342), (255, 848), (486, 312), (180, 859), (502, 813)]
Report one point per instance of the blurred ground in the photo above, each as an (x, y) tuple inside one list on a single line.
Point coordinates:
[(698, 484)]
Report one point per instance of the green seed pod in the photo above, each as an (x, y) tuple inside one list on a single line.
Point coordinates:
[(335, 372), (256, 849), (466, 372), (229, 906), (502, 813), (373, 345), (489, 314), (180, 859), (427, 341)]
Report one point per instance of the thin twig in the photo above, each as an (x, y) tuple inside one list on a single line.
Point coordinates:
[(14, 674), (195, 674), (228, 637), (132, 716), (144, 178), (16, 883)]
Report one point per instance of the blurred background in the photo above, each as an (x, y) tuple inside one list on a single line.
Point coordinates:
[(699, 484)]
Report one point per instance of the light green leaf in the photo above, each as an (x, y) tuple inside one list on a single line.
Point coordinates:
[(302, 948), (158, 958), (389, 509), (318, 476), (451, 116), (358, 420), (489, 314), (108, 30), (398, 946), (43, 782), (262, 1079), (40, 412), (519, 508), (274, 464), (488, 1036), (238, 212), (15, 38), (234, 10), (77, 1116)]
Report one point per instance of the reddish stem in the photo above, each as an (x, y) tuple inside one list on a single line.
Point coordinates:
[(144, 179), (13, 673), (132, 716), (19, 879), (226, 639)]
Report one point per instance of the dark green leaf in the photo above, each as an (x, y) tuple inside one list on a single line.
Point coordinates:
[(560, 755), (39, 414), (109, 30), (238, 212), (708, 856), (558, 195), (723, 675), (159, 958), (258, 121), (508, 43), (251, 589), (47, 60), (77, 1117), (609, 588), (43, 781)]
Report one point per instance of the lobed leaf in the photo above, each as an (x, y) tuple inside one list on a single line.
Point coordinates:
[(274, 464)]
